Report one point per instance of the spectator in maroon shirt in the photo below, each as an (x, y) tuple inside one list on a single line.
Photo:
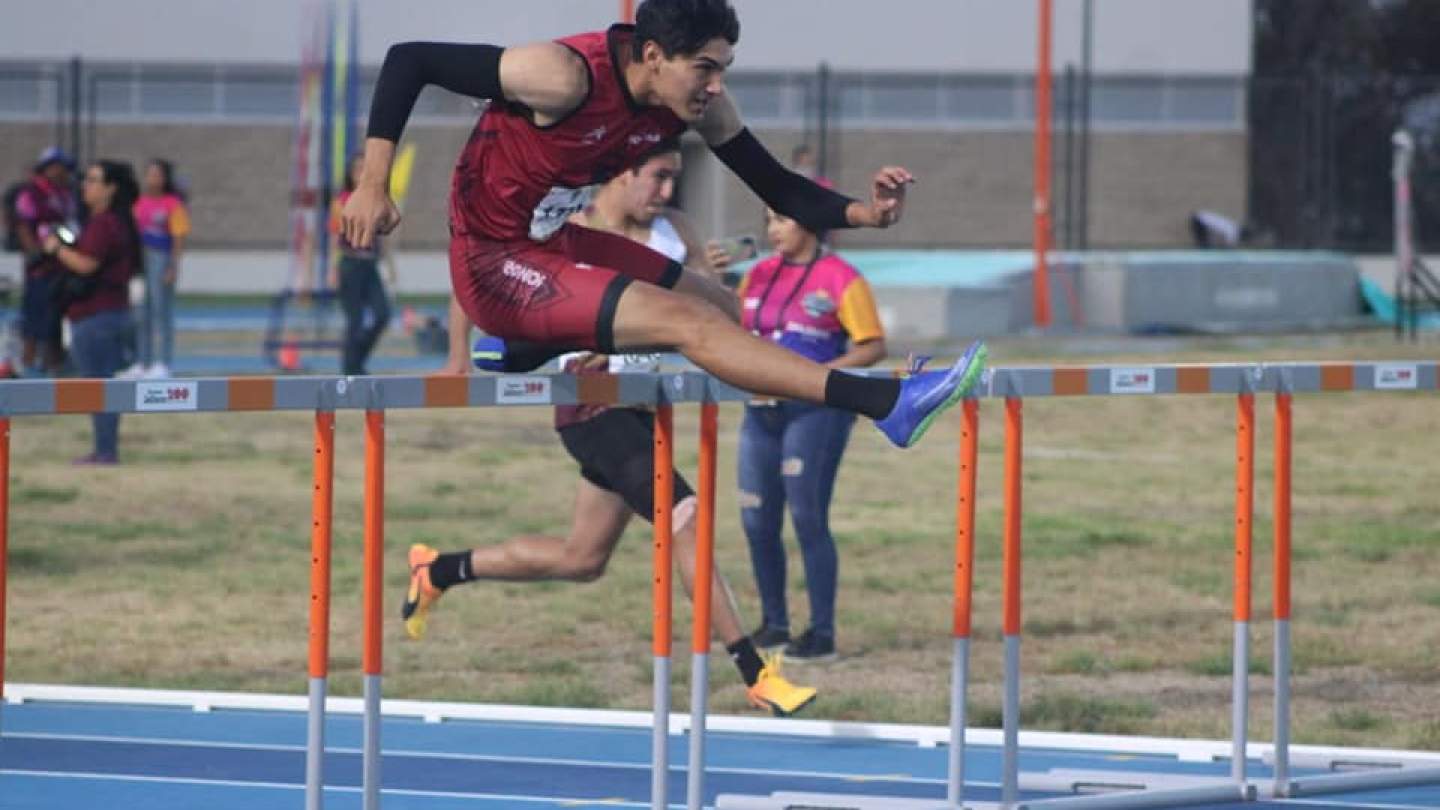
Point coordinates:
[(45, 203), (97, 281)]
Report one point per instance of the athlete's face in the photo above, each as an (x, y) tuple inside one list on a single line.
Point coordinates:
[(686, 83), (652, 186)]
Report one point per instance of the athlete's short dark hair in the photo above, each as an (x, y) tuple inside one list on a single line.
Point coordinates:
[(682, 27), (668, 146)]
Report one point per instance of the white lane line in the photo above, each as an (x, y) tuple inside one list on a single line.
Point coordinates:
[(547, 761), (228, 783)]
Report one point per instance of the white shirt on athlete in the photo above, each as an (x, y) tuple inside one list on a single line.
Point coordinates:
[(665, 239)]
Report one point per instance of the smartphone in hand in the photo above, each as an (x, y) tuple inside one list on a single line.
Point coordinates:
[(740, 248)]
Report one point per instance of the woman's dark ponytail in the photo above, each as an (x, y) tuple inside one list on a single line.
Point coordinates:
[(127, 192)]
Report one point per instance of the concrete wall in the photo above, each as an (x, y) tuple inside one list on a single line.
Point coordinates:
[(1224, 291), (973, 189)]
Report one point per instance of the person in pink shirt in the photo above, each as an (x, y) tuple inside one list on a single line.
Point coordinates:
[(164, 224), (814, 303)]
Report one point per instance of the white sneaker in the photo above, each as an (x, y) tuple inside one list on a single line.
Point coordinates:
[(134, 372), (158, 371)]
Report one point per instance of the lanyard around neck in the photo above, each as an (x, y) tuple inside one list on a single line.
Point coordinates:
[(789, 299)]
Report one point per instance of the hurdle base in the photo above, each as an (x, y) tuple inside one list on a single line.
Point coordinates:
[(1353, 761), (1110, 789), (1357, 781), (1089, 782), (787, 800)]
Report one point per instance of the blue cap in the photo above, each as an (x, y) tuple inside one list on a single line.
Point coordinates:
[(54, 154)]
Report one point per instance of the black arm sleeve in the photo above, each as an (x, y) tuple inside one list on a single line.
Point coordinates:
[(470, 70), (812, 205)]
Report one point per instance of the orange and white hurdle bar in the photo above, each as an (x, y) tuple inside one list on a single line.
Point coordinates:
[(374, 395)]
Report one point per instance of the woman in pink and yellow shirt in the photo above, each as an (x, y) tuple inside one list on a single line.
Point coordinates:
[(164, 224), (816, 304)]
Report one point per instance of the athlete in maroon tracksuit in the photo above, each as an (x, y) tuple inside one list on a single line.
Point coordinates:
[(570, 114)]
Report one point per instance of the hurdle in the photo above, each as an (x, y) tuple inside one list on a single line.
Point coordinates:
[(321, 524), (661, 604), (1107, 789), (700, 632), (1347, 773), (1103, 789), (372, 396)]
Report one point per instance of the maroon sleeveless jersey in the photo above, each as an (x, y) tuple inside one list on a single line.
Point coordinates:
[(516, 179)]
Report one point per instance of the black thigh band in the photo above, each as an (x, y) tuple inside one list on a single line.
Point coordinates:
[(605, 318), (672, 274)]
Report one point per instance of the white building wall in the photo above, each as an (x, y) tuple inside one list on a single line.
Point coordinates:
[(1131, 36)]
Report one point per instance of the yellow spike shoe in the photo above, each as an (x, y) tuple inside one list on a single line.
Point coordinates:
[(773, 692), (421, 595)]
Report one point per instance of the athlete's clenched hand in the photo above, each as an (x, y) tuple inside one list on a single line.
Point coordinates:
[(367, 214), (887, 192), (887, 199)]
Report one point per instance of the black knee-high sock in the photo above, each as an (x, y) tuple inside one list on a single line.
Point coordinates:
[(450, 569), (746, 659), (871, 396)]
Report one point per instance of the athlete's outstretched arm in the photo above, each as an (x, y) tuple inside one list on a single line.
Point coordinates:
[(548, 78), (796, 196)]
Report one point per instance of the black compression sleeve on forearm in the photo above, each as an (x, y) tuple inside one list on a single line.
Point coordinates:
[(470, 70), (812, 205)]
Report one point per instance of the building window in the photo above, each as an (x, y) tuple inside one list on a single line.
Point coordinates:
[(278, 97)]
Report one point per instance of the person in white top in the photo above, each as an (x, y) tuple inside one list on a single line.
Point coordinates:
[(636, 205), (614, 446)]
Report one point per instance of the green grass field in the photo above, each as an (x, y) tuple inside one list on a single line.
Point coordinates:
[(188, 566)]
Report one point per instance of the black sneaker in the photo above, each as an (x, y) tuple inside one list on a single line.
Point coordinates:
[(770, 638), (811, 646)]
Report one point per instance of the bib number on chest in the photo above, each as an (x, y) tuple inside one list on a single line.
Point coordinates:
[(557, 206)]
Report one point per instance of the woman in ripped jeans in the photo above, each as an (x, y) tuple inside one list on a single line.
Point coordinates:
[(815, 303)]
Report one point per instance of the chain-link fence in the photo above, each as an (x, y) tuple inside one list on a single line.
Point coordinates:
[(1320, 159)]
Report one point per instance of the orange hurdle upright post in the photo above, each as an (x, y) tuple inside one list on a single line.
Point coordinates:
[(1282, 591), (4, 544), (1244, 515), (1014, 438), (704, 592), (374, 578), (664, 497), (321, 505), (964, 581)]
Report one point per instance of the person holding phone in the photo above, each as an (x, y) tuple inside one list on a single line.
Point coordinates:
[(816, 304), (95, 286)]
